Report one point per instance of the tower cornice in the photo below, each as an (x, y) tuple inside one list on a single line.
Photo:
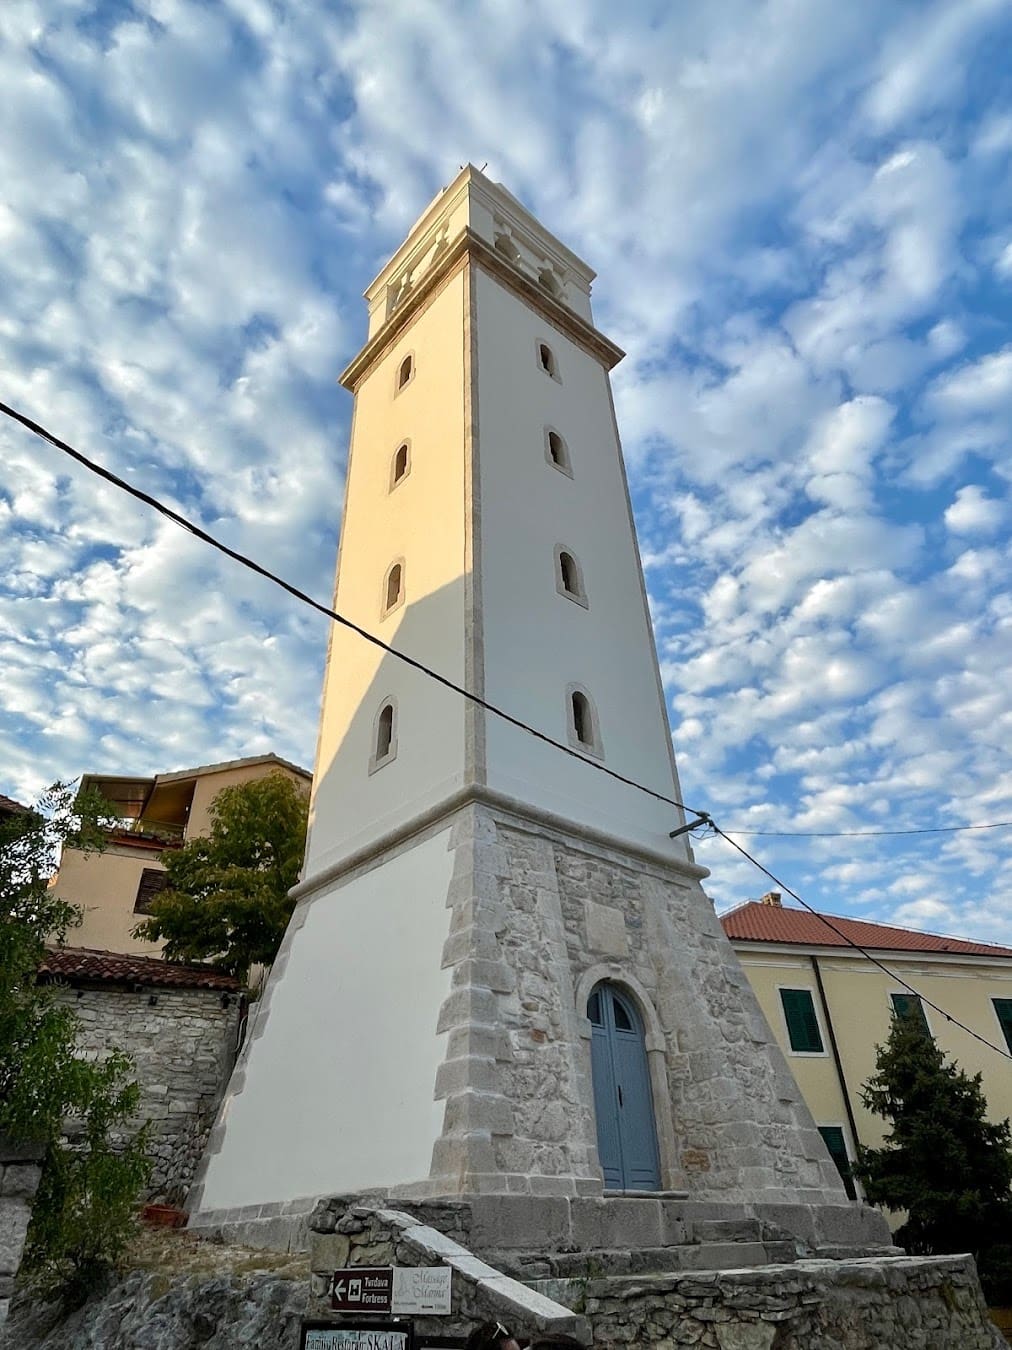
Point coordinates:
[(476, 795), (470, 247)]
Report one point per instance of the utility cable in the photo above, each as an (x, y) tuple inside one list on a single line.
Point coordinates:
[(857, 947), (703, 817), (852, 834), (306, 599)]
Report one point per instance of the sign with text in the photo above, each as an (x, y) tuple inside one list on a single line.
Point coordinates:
[(363, 1289), (422, 1289), (392, 1289), (374, 1336)]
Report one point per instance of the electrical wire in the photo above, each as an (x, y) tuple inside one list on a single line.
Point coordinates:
[(704, 819), (854, 834), (38, 430), (857, 946)]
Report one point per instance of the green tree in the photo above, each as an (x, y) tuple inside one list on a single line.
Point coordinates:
[(943, 1161), (226, 899), (84, 1211)]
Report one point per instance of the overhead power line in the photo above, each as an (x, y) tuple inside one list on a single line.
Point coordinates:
[(858, 947), (873, 834), (703, 817), (38, 430)]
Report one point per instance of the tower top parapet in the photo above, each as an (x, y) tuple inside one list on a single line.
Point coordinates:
[(474, 203)]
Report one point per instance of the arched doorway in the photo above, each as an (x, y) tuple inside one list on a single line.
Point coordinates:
[(623, 1102)]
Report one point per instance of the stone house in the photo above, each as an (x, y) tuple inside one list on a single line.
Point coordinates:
[(180, 1024)]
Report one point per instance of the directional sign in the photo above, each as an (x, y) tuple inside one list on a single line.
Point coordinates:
[(386, 1289), (363, 1289)]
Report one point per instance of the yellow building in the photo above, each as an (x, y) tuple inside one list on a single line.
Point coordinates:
[(115, 888), (829, 1006)]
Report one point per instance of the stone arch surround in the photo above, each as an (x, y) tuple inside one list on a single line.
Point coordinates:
[(655, 1042)]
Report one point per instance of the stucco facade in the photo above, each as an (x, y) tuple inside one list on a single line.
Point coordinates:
[(157, 813), (852, 1001), (467, 885)]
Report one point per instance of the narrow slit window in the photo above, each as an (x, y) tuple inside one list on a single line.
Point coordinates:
[(405, 371), (546, 358), (393, 591), (385, 731), (401, 464), (584, 727), (384, 736), (557, 451), (569, 577), (582, 720)]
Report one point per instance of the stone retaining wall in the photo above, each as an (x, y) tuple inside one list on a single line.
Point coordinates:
[(182, 1042), (19, 1180), (881, 1303)]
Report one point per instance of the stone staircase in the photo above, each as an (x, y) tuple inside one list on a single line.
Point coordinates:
[(712, 1244), (714, 1281)]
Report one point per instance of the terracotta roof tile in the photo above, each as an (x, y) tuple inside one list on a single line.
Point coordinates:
[(82, 963), (9, 805), (755, 922)]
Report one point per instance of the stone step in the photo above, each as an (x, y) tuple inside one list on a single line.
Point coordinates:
[(726, 1230), (604, 1263)]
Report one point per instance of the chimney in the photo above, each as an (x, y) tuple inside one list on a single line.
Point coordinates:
[(771, 898)]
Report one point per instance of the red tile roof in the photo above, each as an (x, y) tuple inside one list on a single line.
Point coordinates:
[(81, 963), (9, 806), (755, 922)]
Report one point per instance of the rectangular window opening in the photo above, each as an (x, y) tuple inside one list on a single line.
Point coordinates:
[(802, 1023), (152, 883), (1003, 1007), (832, 1137), (910, 1005)]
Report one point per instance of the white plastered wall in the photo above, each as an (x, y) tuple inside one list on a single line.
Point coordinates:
[(339, 1087), (538, 642), (421, 521)]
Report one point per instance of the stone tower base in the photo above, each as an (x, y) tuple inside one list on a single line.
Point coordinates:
[(649, 1271)]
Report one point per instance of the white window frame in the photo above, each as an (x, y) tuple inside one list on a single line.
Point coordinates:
[(396, 482), (552, 374), (377, 761), (398, 387), (566, 466), (596, 749), (386, 609)]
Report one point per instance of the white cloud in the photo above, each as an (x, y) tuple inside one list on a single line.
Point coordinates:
[(795, 213), (973, 512)]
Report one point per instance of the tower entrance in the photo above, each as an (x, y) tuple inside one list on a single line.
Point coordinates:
[(623, 1102)]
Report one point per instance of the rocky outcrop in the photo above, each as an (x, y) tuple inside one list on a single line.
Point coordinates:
[(152, 1311)]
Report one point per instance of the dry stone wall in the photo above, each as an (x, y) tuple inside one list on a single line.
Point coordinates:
[(182, 1042), (892, 1303)]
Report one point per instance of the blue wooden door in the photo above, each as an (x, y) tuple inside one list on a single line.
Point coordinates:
[(623, 1102)]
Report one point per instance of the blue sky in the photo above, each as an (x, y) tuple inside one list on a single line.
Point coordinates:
[(801, 218)]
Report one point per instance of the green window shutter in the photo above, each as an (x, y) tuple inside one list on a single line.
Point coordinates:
[(802, 1024), (1003, 1007), (832, 1137), (909, 1005)]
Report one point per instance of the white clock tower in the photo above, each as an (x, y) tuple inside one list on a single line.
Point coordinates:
[(502, 975)]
